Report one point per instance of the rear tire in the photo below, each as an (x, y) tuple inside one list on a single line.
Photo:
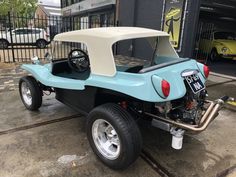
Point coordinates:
[(41, 43), (4, 44), (30, 93), (114, 136)]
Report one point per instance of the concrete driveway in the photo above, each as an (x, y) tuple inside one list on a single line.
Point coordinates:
[(52, 143), (59, 147)]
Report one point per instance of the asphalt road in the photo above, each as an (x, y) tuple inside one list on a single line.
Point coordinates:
[(223, 66)]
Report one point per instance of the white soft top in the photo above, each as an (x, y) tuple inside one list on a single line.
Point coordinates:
[(99, 43), (114, 33)]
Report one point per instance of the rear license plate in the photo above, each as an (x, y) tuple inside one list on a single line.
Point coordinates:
[(195, 83)]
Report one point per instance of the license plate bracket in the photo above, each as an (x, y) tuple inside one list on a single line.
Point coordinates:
[(195, 83)]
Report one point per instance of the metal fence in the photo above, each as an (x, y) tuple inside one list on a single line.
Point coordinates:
[(23, 37), (204, 33)]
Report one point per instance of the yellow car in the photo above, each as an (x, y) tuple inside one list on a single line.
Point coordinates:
[(221, 45)]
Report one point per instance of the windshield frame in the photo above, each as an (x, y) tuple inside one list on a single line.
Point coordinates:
[(224, 35)]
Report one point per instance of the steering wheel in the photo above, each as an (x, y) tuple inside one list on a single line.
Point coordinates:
[(78, 60)]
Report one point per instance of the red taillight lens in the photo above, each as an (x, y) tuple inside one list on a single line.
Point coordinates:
[(206, 71), (165, 86)]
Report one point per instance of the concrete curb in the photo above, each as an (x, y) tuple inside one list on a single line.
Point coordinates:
[(223, 76)]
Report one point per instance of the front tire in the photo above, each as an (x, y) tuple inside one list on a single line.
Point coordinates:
[(214, 56), (4, 44), (114, 136), (30, 93)]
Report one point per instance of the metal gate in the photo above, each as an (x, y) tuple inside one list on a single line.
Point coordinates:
[(204, 32), (22, 37)]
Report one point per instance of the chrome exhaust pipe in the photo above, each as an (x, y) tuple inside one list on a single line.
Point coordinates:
[(209, 115)]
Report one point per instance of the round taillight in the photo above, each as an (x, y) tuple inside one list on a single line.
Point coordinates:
[(206, 71), (165, 87)]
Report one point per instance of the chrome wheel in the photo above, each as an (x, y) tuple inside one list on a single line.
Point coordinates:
[(26, 93), (106, 139)]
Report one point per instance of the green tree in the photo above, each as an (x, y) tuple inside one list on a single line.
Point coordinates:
[(19, 7)]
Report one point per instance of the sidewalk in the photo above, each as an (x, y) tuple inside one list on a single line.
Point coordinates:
[(9, 76)]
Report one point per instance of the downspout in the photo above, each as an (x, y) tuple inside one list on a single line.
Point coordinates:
[(117, 13), (134, 24)]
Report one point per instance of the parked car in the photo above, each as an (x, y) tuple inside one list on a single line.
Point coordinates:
[(24, 36), (114, 93), (219, 45)]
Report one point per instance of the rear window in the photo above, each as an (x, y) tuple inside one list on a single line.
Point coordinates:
[(27, 31), (21, 31), (126, 55), (225, 35), (135, 55), (33, 31)]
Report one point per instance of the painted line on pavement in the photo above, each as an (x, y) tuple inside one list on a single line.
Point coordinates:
[(39, 124), (163, 172), (233, 103)]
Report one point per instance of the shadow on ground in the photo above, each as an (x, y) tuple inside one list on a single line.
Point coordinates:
[(195, 159)]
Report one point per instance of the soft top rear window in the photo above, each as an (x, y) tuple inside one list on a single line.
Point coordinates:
[(140, 55)]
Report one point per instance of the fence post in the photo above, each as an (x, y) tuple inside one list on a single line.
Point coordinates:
[(10, 28)]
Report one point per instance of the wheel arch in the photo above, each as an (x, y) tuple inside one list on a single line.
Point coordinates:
[(41, 39), (104, 96), (3, 39), (216, 48)]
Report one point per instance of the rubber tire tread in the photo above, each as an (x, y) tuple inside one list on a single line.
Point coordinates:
[(6, 42), (36, 92), (217, 57), (125, 124), (43, 41)]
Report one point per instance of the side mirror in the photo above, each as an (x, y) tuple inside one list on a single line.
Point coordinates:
[(48, 56)]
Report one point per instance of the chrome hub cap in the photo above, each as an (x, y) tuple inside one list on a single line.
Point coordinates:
[(106, 139), (26, 94)]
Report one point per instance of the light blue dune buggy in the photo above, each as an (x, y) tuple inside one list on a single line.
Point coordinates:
[(115, 91)]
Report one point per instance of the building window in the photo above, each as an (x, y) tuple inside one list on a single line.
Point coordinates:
[(95, 21), (102, 20), (76, 1), (65, 3), (70, 2)]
